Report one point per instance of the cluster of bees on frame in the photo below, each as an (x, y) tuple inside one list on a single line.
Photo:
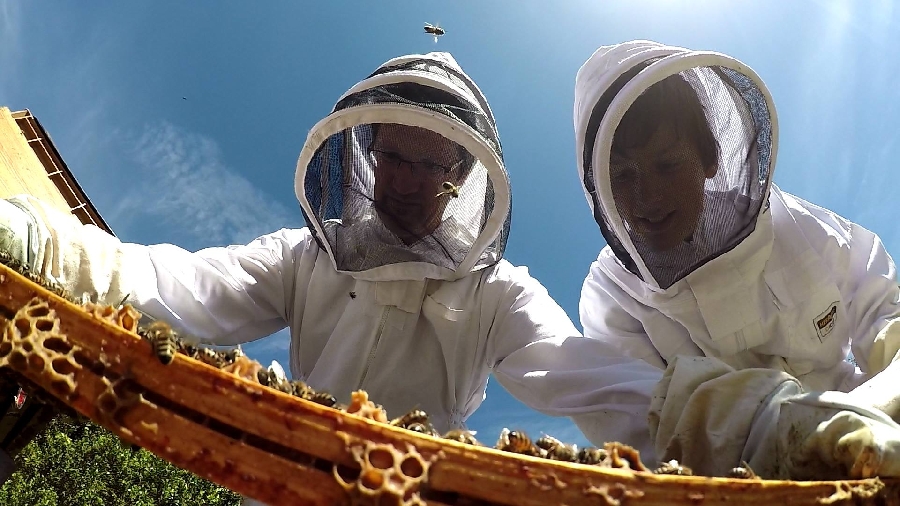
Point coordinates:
[(166, 343)]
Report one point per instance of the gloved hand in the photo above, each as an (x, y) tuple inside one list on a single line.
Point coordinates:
[(20, 236), (711, 417), (881, 390), (830, 436)]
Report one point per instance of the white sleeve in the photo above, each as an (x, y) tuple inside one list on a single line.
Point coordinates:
[(865, 274), (225, 295), (542, 360), (604, 319), (874, 301)]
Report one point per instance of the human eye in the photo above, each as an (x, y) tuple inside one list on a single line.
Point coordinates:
[(667, 166), (621, 176), (436, 169)]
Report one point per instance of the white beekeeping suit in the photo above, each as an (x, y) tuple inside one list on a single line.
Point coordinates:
[(706, 257), (398, 286)]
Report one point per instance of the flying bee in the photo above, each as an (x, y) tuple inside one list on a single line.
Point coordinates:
[(556, 449), (434, 30), (449, 189), (462, 436), (163, 340), (674, 468), (517, 441), (742, 472), (592, 456)]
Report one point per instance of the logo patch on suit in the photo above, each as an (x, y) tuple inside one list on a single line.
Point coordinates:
[(824, 323)]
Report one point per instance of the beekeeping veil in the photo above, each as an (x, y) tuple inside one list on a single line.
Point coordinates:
[(405, 180), (635, 205)]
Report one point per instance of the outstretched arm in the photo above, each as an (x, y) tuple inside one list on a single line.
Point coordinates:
[(223, 295), (540, 358)]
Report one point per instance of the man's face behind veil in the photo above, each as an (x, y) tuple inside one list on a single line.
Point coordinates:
[(412, 165)]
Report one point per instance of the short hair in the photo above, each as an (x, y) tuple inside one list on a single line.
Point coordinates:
[(671, 101)]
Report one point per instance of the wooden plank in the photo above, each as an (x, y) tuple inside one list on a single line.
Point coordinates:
[(20, 169)]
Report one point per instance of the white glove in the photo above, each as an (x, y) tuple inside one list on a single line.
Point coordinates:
[(20, 235), (710, 417), (830, 436)]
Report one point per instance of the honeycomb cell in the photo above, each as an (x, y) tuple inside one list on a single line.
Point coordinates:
[(387, 475), (32, 342), (120, 395), (127, 317), (244, 367), (360, 405)]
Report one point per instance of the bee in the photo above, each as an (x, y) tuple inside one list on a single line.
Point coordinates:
[(34, 277), (449, 189), (517, 441), (262, 376), (462, 436), (673, 467), (209, 357), (10, 261), (278, 383), (591, 456), (298, 388), (62, 292), (323, 398), (434, 30), (232, 355), (742, 472), (556, 449), (416, 421), (163, 340), (188, 349), (274, 377)]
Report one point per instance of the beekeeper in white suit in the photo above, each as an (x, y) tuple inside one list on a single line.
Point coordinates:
[(750, 298), (397, 287)]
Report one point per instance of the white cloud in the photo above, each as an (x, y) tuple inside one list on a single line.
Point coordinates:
[(179, 180)]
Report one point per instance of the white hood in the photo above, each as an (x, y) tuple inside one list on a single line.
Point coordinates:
[(334, 180), (745, 128)]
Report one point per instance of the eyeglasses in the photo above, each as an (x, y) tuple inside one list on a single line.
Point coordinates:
[(392, 160)]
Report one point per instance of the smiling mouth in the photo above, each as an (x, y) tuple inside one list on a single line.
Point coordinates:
[(401, 207), (656, 224)]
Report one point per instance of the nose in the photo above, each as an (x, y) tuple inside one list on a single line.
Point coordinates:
[(650, 188), (405, 180)]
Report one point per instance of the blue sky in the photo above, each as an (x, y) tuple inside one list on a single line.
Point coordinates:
[(107, 80)]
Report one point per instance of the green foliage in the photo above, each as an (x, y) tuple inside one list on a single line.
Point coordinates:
[(76, 462)]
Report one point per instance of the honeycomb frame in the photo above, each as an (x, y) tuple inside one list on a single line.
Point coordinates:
[(281, 449)]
